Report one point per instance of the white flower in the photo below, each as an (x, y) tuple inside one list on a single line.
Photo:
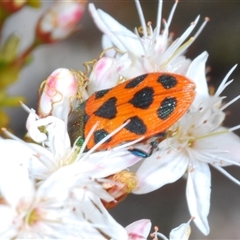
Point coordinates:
[(66, 204), (153, 51), (196, 141), (58, 95), (85, 199), (27, 212)]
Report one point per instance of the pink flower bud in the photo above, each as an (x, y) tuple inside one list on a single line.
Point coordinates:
[(12, 6), (139, 230), (60, 20), (58, 95), (105, 75)]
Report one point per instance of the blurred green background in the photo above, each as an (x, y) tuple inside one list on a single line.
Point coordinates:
[(167, 206)]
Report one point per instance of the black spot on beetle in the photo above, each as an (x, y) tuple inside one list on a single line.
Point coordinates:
[(108, 109), (143, 98), (101, 93), (166, 108), (99, 135), (134, 82), (167, 81), (136, 125)]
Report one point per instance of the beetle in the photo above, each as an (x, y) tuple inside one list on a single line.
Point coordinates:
[(151, 103)]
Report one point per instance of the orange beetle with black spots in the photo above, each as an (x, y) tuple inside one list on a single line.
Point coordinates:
[(151, 103)]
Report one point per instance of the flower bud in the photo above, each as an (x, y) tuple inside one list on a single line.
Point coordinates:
[(60, 20), (12, 6), (139, 229), (104, 75), (58, 94)]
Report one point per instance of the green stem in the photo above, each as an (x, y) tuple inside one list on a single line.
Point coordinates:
[(20, 61)]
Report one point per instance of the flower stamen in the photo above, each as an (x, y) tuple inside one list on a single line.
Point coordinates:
[(87, 138), (159, 17), (29, 110), (234, 128), (206, 20), (157, 234), (211, 134), (141, 17), (229, 103), (177, 52), (223, 84), (170, 17)]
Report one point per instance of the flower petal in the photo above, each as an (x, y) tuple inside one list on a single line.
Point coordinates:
[(110, 162), (7, 230), (157, 171), (139, 229), (15, 184), (196, 72), (114, 30), (181, 232), (198, 194), (110, 26), (108, 226), (229, 143)]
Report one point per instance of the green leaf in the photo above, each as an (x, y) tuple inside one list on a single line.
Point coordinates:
[(8, 76), (10, 49)]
